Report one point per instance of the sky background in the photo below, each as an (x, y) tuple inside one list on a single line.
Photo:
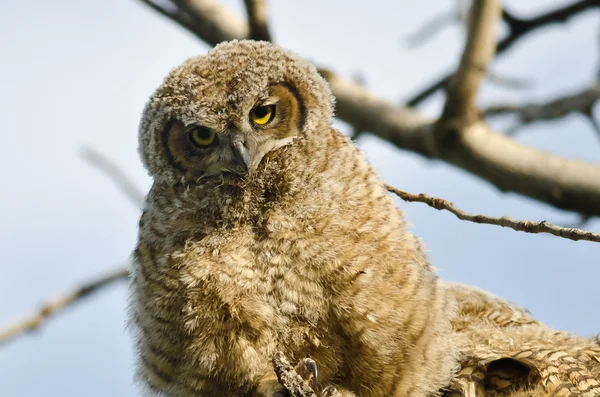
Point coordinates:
[(77, 73)]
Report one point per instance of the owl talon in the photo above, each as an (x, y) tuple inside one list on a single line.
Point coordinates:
[(307, 369), (330, 391)]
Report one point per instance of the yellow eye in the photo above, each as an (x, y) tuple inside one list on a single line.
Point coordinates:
[(202, 136), (262, 115)]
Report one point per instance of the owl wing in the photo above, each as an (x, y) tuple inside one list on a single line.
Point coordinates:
[(505, 352)]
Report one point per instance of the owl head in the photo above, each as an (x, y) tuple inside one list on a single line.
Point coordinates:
[(220, 114)]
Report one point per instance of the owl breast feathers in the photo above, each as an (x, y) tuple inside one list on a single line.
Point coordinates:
[(266, 229)]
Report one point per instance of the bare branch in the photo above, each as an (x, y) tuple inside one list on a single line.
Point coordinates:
[(172, 12), (581, 102), (519, 28), (461, 101), (429, 29), (289, 378), (34, 320), (116, 174), (564, 183), (258, 19), (437, 23), (505, 221), (206, 19)]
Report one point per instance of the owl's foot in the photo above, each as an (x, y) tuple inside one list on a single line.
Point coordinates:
[(330, 391), (307, 369)]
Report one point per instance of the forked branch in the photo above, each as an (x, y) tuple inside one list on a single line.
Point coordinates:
[(519, 28)]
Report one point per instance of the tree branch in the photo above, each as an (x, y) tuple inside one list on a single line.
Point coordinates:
[(581, 102), (430, 28), (206, 19), (461, 99), (172, 13), (258, 19), (505, 221), (519, 28), (34, 320)]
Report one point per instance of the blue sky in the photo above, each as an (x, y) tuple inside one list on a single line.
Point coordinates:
[(78, 73)]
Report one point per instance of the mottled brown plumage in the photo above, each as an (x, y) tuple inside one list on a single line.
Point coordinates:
[(275, 236), (505, 352)]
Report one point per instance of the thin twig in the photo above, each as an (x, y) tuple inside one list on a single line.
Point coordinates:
[(437, 23), (505, 221), (258, 19), (429, 29), (34, 320), (514, 83), (519, 28), (116, 174)]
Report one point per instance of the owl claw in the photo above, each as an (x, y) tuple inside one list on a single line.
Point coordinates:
[(330, 391), (307, 369)]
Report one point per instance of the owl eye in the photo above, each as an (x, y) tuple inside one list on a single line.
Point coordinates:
[(262, 115), (202, 136)]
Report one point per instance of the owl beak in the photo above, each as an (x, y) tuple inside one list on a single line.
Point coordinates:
[(240, 151)]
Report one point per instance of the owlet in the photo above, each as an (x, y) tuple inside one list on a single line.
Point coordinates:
[(265, 229)]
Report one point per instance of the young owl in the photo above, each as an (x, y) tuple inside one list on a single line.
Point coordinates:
[(265, 229)]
